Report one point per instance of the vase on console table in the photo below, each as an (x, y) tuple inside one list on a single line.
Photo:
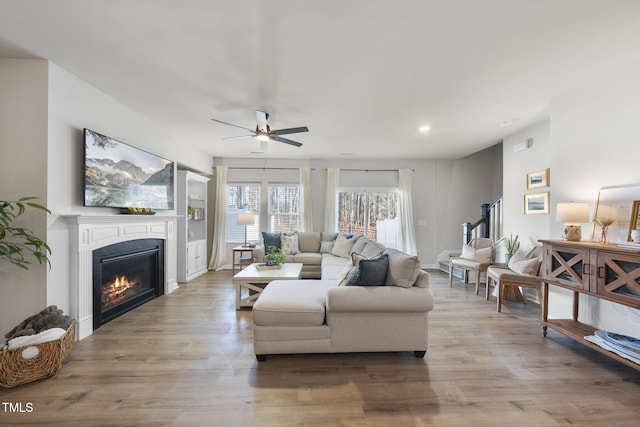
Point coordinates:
[(604, 224)]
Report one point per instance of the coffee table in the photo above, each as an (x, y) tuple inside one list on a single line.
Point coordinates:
[(255, 280)]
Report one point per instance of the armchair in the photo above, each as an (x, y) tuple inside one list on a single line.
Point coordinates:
[(476, 256)]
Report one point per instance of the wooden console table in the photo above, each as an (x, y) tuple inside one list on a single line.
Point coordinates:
[(602, 271)]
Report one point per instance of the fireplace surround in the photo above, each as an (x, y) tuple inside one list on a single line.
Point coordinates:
[(92, 232)]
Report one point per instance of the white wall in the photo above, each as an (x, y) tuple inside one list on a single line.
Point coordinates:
[(23, 168), (529, 228), (590, 141)]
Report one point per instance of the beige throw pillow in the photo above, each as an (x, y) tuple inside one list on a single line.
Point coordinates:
[(403, 268), (289, 244), (478, 255), (522, 265), (342, 246)]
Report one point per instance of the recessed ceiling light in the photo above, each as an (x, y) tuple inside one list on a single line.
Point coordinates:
[(257, 152), (346, 154), (424, 128)]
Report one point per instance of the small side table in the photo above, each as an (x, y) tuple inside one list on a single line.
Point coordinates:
[(241, 260)]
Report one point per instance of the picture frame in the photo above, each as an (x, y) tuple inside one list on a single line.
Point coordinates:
[(538, 179), (620, 204), (537, 203)]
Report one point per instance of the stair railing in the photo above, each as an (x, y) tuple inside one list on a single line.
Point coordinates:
[(490, 225)]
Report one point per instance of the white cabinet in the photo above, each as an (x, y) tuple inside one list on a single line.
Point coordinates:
[(192, 225), (196, 258)]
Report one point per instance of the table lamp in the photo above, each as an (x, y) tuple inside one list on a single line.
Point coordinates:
[(246, 218), (572, 214)]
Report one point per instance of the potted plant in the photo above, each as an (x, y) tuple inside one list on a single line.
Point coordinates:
[(274, 256), (512, 245), (18, 243)]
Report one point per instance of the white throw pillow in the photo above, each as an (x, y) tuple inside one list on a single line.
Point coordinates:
[(479, 255), (342, 246), (522, 265), (326, 247), (289, 244)]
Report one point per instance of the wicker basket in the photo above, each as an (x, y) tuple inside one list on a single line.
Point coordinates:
[(16, 370)]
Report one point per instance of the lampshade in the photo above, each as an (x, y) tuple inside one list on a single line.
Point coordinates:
[(246, 218), (572, 212)]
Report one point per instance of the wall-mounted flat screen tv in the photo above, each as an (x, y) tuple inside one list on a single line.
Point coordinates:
[(118, 175)]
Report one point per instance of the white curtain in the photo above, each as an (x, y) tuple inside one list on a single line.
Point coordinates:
[(405, 208), (307, 209), (330, 209), (219, 241)]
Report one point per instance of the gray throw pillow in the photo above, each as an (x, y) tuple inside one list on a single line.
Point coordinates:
[(370, 272)]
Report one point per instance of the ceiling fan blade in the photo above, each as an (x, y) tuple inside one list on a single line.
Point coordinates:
[(231, 124), (262, 117), (229, 138), (289, 130), (286, 141)]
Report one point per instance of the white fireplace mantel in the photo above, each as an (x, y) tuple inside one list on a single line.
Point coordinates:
[(90, 232)]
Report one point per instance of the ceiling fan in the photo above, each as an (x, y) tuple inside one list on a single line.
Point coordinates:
[(264, 133)]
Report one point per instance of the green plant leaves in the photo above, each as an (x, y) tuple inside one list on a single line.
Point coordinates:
[(15, 242)]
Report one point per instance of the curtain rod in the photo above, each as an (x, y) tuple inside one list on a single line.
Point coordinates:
[(342, 169), (372, 170), (263, 168)]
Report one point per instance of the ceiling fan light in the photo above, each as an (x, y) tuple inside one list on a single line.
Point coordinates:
[(262, 138)]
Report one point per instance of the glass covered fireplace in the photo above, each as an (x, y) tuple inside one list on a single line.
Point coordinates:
[(125, 276)]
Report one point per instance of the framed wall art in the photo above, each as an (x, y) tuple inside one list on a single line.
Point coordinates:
[(538, 179), (537, 203)]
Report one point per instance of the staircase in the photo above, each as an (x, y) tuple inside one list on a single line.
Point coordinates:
[(489, 225)]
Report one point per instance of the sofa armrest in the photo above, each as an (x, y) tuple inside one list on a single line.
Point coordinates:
[(258, 253), (380, 299), (423, 280)]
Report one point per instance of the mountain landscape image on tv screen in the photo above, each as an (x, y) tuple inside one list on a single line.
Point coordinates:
[(121, 176)]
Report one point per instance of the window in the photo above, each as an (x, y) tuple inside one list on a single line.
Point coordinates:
[(284, 208), (369, 213), (242, 198)]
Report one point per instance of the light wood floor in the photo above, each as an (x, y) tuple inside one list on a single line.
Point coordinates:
[(186, 359)]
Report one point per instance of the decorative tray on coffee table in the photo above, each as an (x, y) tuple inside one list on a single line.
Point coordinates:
[(262, 266)]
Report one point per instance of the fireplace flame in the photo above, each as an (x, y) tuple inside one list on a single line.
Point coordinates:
[(117, 291)]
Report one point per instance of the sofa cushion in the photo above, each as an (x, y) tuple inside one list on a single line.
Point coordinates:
[(289, 244), (522, 265), (328, 237), (292, 303), (346, 272), (326, 247), (332, 267), (271, 239), (369, 272), (359, 245), (308, 258), (479, 255), (342, 246), (372, 249), (309, 241), (403, 268)]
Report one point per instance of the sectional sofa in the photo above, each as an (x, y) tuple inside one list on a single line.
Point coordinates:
[(316, 250), (373, 299)]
